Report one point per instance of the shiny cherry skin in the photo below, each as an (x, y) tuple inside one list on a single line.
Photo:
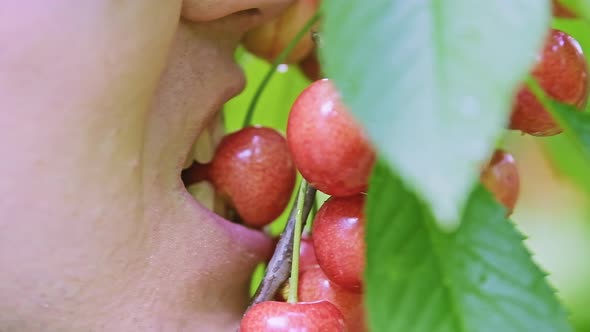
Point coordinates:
[(270, 39), (314, 285), (338, 239), (273, 316), (329, 147), (252, 169), (307, 256), (501, 178), (562, 72)]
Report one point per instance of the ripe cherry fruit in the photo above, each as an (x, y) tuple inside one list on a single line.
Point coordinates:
[(252, 169), (330, 149), (338, 239), (272, 316), (307, 256), (314, 285), (501, 178), (562, 72), (270, 39)]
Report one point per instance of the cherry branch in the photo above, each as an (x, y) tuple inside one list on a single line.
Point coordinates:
[(279, 267)]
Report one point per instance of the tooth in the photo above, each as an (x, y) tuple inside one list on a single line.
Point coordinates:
[(217, 128), (203, 149), (204, 193)]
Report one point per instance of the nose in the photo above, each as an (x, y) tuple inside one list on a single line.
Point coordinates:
[(210, 10)]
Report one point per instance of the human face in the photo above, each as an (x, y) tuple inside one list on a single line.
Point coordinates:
[(102, 102)]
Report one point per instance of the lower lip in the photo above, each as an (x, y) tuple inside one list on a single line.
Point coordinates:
[(256, 242)]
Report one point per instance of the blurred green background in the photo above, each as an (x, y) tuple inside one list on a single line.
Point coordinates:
[(554, 206)]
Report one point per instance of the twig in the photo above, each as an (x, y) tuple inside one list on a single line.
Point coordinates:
[(279, 267)]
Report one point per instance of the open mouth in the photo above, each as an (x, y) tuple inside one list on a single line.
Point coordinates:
[(193, 98), (200, 154), (206, 197)]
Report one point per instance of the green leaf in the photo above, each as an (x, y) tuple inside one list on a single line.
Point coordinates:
[(433, 82), (568, 160), (576, 126), (575, 123), (563, 150), (478, 279)]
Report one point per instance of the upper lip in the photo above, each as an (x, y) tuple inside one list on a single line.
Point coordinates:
[(236, 81), (237, 84)]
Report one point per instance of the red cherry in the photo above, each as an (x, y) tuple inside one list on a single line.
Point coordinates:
[(252, 169), (272, 316), (310, 66), (330, 149), (338, 239), (562, 72), (306, 254), (561, 11), (314, 285), (501, 178), (270, 39)]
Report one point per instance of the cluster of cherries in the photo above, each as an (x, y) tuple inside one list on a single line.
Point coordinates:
[(332, 262), (254, 171)]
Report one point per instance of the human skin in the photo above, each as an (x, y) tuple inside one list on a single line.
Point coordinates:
[(100, 103)]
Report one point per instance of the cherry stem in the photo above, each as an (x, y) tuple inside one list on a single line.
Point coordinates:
[(294, 280), (279, 267), (311, 217), (196, 173), (280, 59)]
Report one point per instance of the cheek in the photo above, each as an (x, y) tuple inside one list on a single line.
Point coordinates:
[(199, 73), (196, 75)]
